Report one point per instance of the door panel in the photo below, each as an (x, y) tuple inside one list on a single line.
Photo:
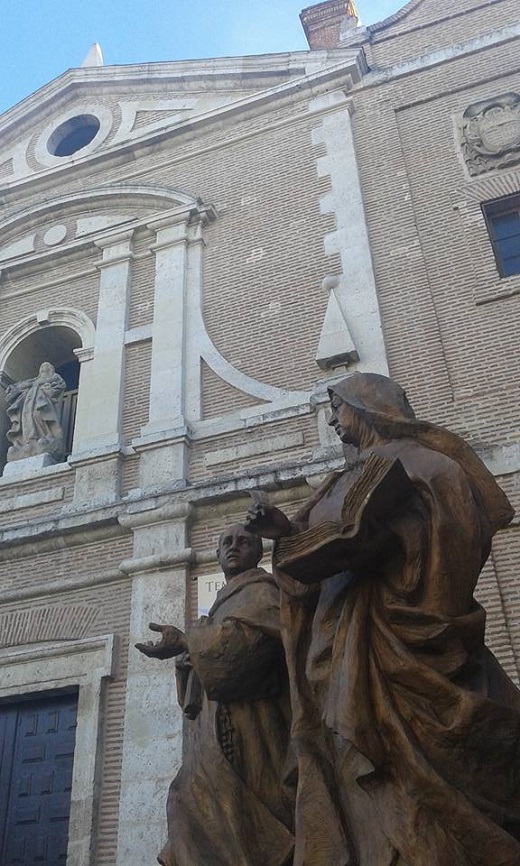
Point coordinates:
[(37, 741)]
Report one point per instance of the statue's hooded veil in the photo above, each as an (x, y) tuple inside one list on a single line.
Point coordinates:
[(383, 405)]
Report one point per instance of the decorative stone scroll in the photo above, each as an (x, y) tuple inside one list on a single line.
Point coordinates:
[(491, 133)]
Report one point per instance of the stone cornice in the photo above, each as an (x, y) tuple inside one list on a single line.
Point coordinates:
[(181, 558), (241, 72), (103, 238), (62, 531), (83, 526), (440, 56)]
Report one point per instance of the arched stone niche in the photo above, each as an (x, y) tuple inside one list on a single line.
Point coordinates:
[(55, 336)]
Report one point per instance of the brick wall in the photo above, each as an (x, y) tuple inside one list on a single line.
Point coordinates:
[(65, 281), (264, 259), (428, 28), (138, 358), (142, 281), (450, 325), (442, 345)]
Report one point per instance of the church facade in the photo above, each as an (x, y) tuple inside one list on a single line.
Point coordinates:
[(199, 249)]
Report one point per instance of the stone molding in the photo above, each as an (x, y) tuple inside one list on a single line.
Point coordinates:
[(30, 500), (59, 531), (352, 330), (148, 513), (441, 55), (40, 594), (253, 449), (85, 664), (255, 416), (157, 562), (162, 202), (67, 317), (47, 159), (40, 474)]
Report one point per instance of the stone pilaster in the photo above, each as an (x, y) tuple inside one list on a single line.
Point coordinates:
[(152, 749), (97, 429), (176, 347)]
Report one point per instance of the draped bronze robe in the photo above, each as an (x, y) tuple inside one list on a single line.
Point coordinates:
[(405, 726), (229, 804)]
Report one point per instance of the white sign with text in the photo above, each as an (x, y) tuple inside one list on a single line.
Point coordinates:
[(207, 587)]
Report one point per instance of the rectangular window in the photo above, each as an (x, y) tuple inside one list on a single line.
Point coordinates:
[(502, 217)]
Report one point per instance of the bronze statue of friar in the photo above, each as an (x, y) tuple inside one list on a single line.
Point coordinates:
[(232, 801)]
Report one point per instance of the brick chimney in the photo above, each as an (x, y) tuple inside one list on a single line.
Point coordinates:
[(326, 23)]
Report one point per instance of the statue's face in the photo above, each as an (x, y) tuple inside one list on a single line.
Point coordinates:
[(238, 550), (345, 421)]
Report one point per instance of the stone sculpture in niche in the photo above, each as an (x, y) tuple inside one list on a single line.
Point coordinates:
[(491, 133), (230, 802), (33, 408), (405, 727)]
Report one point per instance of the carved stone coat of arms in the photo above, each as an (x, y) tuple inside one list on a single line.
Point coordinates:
[(491, 133)]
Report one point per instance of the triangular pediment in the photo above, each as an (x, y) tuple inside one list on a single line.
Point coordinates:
[(87, 111)]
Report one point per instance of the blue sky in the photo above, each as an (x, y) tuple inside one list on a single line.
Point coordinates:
[(40, 39)]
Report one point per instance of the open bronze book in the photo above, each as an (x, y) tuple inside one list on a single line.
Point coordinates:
[(325, 549)]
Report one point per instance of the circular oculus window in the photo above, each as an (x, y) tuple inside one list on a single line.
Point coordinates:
[(73, 135)]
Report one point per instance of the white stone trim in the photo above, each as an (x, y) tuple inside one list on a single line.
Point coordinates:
[(355, 292), (101, 112), (148, 196), (45, 472), (130, 110), (84, 663), (343, 65), (254, 449), (237, 379), (18, 248), (164, 75), (140, 334), (502, 459), (336, 347), (254, 416), (167, 394), (101, 384), (30, 500), (152, 743), (66, 317), (198, 345)]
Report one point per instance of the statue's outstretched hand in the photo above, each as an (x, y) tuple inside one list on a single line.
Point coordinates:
[(173, 642), (266, 520)]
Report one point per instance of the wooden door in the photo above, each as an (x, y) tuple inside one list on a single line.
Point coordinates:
[(36, 757)]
